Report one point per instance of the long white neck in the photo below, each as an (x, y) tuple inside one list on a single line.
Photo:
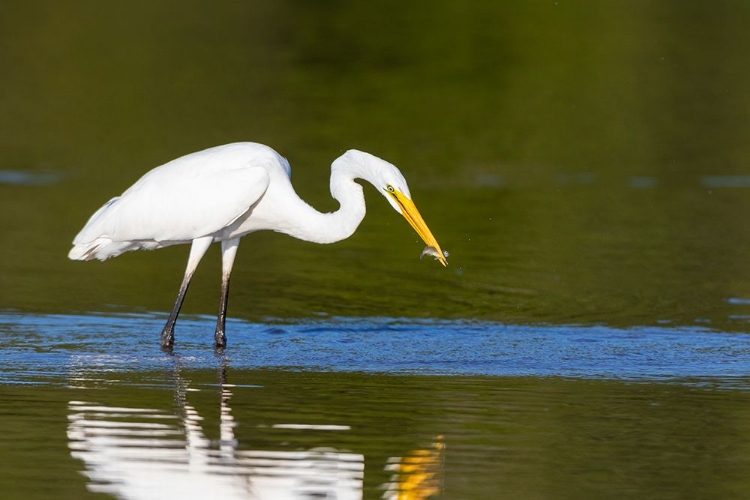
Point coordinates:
[(310, 225)]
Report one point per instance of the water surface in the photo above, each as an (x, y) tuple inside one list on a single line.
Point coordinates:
[(371, 407), (44, 348)]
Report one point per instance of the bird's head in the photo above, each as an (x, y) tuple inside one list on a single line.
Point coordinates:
[(389, 182)]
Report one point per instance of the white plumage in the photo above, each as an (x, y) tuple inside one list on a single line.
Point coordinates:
[(196, 195), (223, 193)]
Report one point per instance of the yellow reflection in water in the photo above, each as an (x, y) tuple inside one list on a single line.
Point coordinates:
[(418, 475)]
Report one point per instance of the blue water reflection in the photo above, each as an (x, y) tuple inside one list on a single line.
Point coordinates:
[(49, 347), (28, 178)]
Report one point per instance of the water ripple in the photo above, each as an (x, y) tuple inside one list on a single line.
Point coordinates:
[(48, 347)]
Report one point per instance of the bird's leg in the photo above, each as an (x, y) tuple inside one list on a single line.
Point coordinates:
[(197, 250), (167, 334), (228, 252)]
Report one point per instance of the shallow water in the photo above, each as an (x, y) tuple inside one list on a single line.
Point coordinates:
[(44, 348), (372, 407), (584, 164)]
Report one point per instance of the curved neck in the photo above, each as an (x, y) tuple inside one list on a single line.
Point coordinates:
[(317, 227)]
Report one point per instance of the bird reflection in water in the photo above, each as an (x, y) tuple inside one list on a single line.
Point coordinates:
[(141, 453)]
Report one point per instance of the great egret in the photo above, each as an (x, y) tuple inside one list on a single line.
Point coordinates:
[(223, 193)]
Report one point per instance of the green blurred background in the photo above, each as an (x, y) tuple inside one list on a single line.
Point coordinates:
[(583, 162)]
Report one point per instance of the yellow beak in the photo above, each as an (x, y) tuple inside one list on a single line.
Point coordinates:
[(412, 216)]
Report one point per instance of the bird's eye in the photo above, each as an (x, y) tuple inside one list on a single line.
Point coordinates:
[(390, 189)]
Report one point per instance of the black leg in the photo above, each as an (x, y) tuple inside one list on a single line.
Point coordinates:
[(197, 250), (167, 334), (228, 252), (220, 338)]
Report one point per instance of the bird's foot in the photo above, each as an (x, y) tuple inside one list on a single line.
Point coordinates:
[(167, 338), (220, 339)]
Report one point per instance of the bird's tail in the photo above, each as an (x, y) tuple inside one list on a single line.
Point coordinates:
[(104, 247), (89, 250)]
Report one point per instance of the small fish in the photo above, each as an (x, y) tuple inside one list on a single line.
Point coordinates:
[(428, 250)]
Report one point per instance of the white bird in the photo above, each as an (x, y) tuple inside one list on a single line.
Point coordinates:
[(223, 193)]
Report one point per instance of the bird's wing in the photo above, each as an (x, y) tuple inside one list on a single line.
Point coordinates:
[(164, 206)]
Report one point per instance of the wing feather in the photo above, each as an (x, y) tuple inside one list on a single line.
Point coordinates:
[(165, 208), (193, 196)]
